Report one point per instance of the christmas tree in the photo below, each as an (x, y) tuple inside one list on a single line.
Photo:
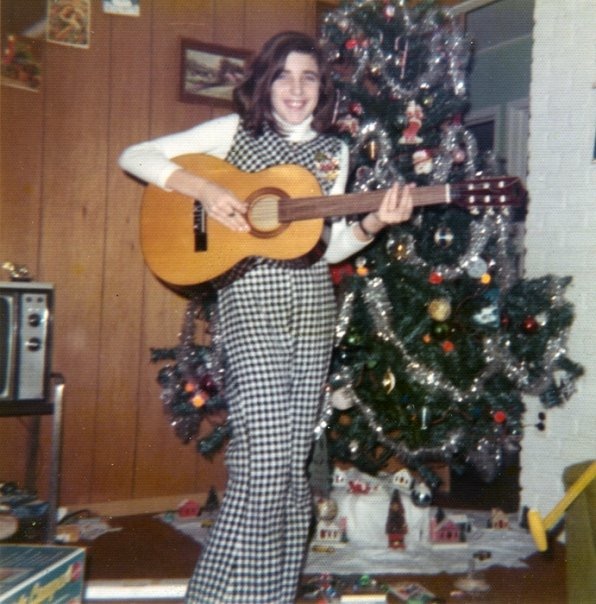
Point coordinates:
[(438, 337)]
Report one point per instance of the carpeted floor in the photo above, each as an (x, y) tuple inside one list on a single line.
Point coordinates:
[(160, 559)]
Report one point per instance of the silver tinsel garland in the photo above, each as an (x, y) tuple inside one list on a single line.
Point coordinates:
[(446, 63)]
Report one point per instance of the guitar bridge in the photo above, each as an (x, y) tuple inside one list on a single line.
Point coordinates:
[(199, 226)]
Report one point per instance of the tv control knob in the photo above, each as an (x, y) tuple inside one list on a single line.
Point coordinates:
[(33, 344), (34, 319)]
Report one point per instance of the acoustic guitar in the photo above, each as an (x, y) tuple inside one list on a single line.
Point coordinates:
[(184, 247)]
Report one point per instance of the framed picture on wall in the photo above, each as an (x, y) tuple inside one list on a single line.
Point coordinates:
[(68, 22), (209, 72)]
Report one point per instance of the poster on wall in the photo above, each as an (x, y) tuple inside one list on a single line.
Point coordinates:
[(21, 62), (129, 8), (69, 22)]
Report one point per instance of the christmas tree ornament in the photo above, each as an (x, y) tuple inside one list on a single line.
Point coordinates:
[(362, 269), (199, 399), (500, 417), (422, 162), (356, 108), (372, 149), (443, 237), (459, 156), (345, 419), (414, 116), (530, 325), (447, 346), (354, 338), (435, 278), (348, 124), (475, 267), (421, 495), (439, 309), (424, 417), (341, 399), (488, 316), (389, 381)]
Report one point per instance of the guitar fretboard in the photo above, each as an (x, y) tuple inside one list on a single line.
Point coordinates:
[(352, 203)]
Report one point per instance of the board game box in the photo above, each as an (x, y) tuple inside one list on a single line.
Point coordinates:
[(41, 574)]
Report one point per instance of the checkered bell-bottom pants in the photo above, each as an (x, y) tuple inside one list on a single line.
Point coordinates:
[(277, 327)]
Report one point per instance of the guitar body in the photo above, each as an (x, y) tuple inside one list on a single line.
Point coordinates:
[(169, 222)]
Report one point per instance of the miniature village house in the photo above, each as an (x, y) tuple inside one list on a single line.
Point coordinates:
[(449, 530)]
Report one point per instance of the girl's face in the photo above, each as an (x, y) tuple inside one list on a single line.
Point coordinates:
[(295, 92)]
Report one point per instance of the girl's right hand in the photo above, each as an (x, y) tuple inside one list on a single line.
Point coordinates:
[(222, 205), (219, 203)]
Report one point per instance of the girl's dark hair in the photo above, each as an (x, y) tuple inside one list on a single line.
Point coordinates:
[(253, 97)]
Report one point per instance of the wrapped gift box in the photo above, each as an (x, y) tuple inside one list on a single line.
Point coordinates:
[(41, 573)]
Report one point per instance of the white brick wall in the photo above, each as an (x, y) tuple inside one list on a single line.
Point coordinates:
[(561, 227)]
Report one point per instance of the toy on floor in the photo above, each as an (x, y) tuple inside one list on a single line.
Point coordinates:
[(540, 526), (473, 583), (331, 532)]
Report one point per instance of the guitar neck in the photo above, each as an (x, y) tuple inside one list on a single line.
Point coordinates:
[(355, 203)]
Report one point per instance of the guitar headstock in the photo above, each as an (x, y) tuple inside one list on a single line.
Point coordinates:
[(495, 191)]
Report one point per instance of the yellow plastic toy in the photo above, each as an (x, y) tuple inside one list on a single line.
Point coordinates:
[(540, 526)]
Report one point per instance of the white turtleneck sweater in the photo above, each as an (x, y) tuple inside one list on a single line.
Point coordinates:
[(151, 161)]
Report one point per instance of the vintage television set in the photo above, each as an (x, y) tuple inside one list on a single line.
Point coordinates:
[(25, 346)]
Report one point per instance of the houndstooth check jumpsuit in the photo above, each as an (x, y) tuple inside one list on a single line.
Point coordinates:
[(276, 323)]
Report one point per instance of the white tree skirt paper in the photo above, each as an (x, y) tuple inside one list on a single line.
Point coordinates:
[(366, 550)]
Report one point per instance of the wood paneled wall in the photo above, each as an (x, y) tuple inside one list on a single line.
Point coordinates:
[(70, 215)]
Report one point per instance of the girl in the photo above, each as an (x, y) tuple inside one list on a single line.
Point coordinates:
[(276, 318)]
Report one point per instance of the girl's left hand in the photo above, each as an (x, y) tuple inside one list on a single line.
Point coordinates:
[(397, 204)]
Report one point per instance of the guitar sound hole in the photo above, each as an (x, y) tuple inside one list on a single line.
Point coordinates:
[(263, 212)]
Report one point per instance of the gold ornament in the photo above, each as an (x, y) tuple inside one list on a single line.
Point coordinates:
[(439, 309), (327, 509), (372, 149), (401, 251), (389, 381)]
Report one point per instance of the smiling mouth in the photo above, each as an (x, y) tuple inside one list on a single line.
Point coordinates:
[(295, 104)]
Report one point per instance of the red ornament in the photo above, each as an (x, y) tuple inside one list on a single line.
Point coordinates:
[(500, 417), (448, 346), (356, 108), (435, 278), (459, 156), (208, 385), (530, 325), (351, 43)]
